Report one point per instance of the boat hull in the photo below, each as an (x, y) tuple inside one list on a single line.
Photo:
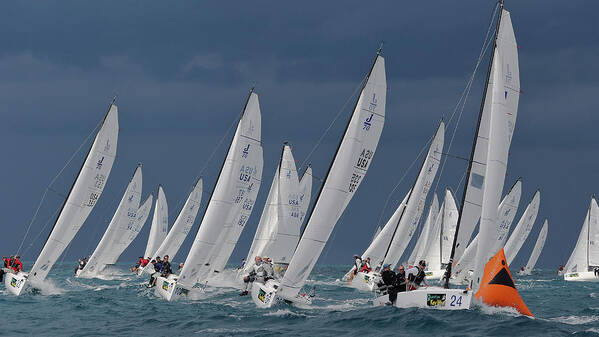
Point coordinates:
[(586, 276), (15, 283), (365, 281), (264, 295), (168, 288), (430, 298)]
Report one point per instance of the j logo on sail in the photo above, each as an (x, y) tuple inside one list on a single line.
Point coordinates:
[(99, 164), (367, 123), (246, 151)]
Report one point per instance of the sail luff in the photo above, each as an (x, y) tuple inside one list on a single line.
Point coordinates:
[(523, 228), (538, 248), (82, 197), (159, 228)]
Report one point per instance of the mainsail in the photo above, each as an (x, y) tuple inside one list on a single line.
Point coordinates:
[(523, 228), (378, 248), (278, 231), (536, 251), (115, 239), (187, 216), (351, 162), (83, 196), (240, 172), (504, 87), (159, 228), (585, 254), (427, 232), (415, 205)]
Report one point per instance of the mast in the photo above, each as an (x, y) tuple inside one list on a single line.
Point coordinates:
[(589, 231), (64, 203), (480, 114), (378, 52)]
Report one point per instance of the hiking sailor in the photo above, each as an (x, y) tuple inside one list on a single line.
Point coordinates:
[(256, 274), (81, 264), (269, 272), (366, 266), (157, 269), (356, 268), (166, 267), (415, 276)]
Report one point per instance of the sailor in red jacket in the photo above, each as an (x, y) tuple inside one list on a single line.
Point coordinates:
[(366, 266), (17, 266)]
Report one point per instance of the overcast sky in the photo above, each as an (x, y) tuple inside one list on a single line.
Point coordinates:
[(182, 71)]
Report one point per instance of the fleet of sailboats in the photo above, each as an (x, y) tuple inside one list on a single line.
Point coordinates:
[(445, 240)]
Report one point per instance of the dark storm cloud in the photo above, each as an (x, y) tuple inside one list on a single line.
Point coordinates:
[(182, 71)]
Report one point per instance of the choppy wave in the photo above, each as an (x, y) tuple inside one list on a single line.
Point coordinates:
[(120, 304)]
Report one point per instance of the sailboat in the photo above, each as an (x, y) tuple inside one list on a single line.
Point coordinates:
[(376, 251), (409, 216), (438, 246), (122, 229), (523, 228), (536, 251), (82, 198), (159, 228), (484, 180), (583, 264), (348, 168), (241, 171), (278, 231), (507, 210), (178, 232)]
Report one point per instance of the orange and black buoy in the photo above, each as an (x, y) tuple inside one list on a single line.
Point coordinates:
[(497, 287)]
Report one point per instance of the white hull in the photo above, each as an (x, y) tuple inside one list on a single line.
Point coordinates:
[(167, 288), (431, 298), (587, 276), (15, 283), (365, 281), (265, 295)]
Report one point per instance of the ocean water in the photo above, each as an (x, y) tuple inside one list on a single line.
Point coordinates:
[(120, 305)]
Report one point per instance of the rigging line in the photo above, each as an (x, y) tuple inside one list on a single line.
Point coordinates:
[(349, 99), (466, 93), (209, 160), (41, 231), (402, 178), (54, 180)]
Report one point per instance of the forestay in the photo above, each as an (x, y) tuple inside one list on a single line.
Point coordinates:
[(415, 205), (185, 220), (504, 85), (115, 239), (536, 251), (159, 228), (523, 228), (83, 196), (241, 171), (351, 162)]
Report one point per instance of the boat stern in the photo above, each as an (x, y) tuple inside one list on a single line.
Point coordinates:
[(15, 283)]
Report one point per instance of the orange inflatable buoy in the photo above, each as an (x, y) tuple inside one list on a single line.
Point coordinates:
[(497, 287)]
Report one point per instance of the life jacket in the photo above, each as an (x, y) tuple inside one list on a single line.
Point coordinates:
[(17, 266), (418, 278)]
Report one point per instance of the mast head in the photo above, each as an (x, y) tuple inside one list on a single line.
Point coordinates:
[(378, 52)]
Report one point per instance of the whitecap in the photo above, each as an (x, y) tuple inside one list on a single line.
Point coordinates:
[(576, 320)]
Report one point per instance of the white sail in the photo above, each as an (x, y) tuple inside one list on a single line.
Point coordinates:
[(450, 221), (580, 259), (305, 194), (419, 250), (536, 251), (378, 248), (83, 196), (159, 228), (504, 84), (593, 243), (415, 206), (241, 170), (523, 228), (431, 252), (287, 228), (185, 220), (143, 213), (345, 175), (115, 239), (507, 211)]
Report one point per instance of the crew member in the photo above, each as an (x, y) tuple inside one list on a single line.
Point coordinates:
[(17, 266), (366, 266), (357, 266), (256, 274), (387, 283), (269, 272), (166, 267), (415, 276)]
